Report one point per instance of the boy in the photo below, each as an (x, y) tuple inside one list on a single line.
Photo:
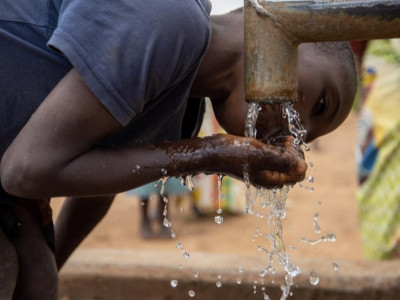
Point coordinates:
[(87, 138), (327, 79)]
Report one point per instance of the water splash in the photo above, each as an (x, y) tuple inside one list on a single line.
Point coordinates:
[(295, 126), (251, 120), (330, 237), (276, 199)]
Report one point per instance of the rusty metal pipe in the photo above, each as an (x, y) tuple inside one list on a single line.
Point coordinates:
[(273, 31)]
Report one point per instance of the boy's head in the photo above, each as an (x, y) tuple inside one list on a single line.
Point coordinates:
[(327, 86)]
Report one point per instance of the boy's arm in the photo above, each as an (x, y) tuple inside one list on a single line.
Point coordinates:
[(55, 154)]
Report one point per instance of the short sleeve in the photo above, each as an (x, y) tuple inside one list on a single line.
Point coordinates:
[(131, 52)]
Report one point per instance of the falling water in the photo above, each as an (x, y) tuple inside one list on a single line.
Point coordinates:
[(189, 183), (219, 219), (163, 180), (317, 228), (275, 198), (277, 201), (295, 126), (250, 131)]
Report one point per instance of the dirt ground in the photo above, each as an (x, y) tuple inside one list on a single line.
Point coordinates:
[(333, 198)]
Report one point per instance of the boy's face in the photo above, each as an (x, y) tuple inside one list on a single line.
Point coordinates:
[(326, 91), (326, 94)]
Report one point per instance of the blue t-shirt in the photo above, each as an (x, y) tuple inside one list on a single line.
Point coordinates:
[(138, 57)]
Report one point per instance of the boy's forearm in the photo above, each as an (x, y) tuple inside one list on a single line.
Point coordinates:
[(104, 171), (100, 171)]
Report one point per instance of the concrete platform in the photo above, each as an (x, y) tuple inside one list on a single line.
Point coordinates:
[(115, 274)]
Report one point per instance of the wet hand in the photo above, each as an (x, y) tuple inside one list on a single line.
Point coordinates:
[(269, 164)]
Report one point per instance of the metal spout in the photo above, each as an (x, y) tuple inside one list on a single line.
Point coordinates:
[(273, 31)]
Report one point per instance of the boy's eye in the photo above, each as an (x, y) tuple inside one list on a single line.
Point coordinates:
[(320, 107)]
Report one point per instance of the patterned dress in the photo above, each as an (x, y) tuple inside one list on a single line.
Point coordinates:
[(379, 151)]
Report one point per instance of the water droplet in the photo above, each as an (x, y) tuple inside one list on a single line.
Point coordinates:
[(189, 183), (317, 228), (218, 219), (166, 223), (218, 284), (191, 293), (335, 266), (174, 283), (164, 171), (314, 278)]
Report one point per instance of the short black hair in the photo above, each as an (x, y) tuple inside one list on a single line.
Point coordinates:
[(341, 51)]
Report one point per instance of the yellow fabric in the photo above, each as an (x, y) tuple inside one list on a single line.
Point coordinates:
[(379, 196), (384, 97)]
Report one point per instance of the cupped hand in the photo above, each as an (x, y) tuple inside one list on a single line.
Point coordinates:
[(271, 163)]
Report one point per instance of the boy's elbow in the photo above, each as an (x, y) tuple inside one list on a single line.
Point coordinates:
[(21, 179)]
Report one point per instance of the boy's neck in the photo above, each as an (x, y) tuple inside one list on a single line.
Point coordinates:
[(217, 74)]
